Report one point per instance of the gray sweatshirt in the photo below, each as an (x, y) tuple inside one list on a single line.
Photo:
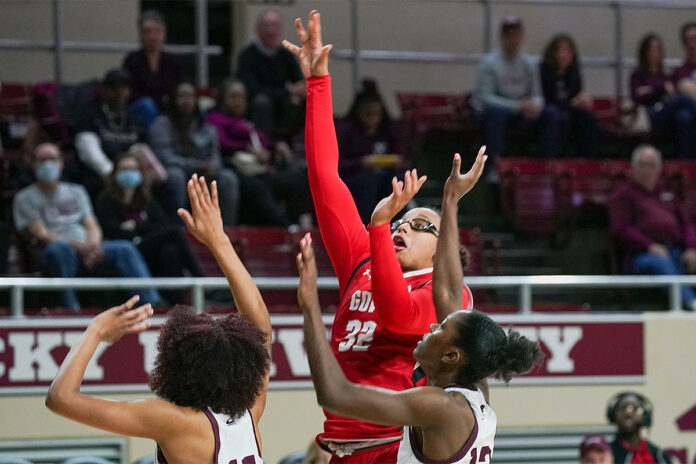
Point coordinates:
[(505, 84)]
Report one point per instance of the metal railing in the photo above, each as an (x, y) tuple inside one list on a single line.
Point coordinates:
[(356, 54), (524, 284)]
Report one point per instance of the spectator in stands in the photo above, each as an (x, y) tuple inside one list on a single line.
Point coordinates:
[(632, 412), (684, 77), (594, 449), (649, 223), (59, 217), (188, 145), (273, 79), (561, 82), (370, 147), (267, 172), (509, 94), (154, 73), (652, 88), (126, 211), (108, 130)]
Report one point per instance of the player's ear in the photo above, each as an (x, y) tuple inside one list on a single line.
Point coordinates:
[(453, 357)]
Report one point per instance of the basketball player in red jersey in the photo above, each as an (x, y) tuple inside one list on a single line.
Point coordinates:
[(384, 273)]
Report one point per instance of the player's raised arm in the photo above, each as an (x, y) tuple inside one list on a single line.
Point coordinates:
[(344, 234), (148, 419), (447, 271), (422, 406), (205, 223)]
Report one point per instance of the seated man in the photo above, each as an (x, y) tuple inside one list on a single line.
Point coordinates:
[(649, 223), (59, 216), (273, 78), (631, 412), (594, 449), (107, 130), (509, 94)]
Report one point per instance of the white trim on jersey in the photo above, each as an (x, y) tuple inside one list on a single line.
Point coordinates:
[(418, 272)]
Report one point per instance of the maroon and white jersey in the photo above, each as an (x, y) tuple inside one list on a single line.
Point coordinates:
[(477, 449), (235, 440)]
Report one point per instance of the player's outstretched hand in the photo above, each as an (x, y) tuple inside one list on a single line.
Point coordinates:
[(458, 184), (313, 55), (114, 323), (307, 295), (402, 193), (205, 220)]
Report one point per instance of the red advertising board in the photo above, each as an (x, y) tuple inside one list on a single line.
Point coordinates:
[(579, 350)]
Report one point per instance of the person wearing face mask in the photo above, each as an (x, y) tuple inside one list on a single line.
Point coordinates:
[(632, 412), (59, 216), (649, 223), (126, 211)]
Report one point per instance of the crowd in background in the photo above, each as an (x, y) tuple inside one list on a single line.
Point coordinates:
[(103, 200)]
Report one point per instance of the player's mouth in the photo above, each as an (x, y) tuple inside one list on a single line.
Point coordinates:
[(399, 243)]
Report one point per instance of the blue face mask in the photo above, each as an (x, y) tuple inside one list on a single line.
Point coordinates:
[(129, 179), (48, 171)]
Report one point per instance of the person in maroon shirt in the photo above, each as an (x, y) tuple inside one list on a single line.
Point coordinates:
[(648, 222), (684, 77), (154, 73), (668, 111)]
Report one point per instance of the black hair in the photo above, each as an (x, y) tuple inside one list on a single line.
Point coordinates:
[(223, 88), (685, 28), (367, 95), (552, 47), (491, 352), (643, 49), (155, 16), (182, 126), (614, 401), (205, 362)]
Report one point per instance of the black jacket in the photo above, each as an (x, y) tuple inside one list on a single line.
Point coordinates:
[(624, 456)]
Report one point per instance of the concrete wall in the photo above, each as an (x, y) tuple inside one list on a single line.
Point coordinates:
[(454, 26), (292, 417)]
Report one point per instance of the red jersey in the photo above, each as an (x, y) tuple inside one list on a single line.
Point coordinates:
[(382, 312)]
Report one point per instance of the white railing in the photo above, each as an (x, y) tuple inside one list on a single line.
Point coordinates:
[(524, 284)]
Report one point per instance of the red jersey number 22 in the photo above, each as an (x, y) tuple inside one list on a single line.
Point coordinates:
[(359, 336)]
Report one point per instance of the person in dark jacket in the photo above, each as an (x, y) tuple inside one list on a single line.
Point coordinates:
[(632, 412), (561, 83), (653, 88), (126, 211)]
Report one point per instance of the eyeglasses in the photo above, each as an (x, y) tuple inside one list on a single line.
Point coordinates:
[(417, 224), (632, 409)]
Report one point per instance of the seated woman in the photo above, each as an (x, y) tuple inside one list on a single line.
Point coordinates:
[(267, 174), (561, 82), (187, 145), (126, 211), (652, 88), (210, 375), (450, 420), (366, 138)]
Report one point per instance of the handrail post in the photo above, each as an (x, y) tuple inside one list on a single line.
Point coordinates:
[(487, 25), (58, 41), (17, 301), (618, 49), (201, 43), (675, 298), (198, 298), (525, 299), (355, 23)]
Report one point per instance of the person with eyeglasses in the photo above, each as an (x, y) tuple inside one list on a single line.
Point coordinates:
[(632, 412), (384, 272)]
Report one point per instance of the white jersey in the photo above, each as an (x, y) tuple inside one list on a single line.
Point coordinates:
[(235, 440), (477, 449)]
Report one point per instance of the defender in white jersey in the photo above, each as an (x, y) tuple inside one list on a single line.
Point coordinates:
[(210, 374), (449, 420)]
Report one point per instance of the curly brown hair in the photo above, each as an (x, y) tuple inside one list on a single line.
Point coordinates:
[(204, 362)]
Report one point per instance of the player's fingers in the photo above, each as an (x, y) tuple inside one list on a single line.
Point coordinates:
[(193, 194), (291, 47), (186, 217), (326, 49), (456, 165), (129, 304), (301, 32), (214, 194), (315, 27), (421, 181), (144, 325), (139, 313), (203, 192)]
